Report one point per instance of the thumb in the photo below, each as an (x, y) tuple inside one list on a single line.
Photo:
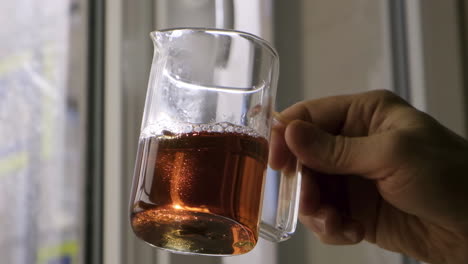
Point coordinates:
[(332, 154)]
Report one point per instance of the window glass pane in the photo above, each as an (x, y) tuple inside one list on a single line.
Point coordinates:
[(40, 135)]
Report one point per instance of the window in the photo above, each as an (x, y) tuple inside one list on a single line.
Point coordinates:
[(41, 131)]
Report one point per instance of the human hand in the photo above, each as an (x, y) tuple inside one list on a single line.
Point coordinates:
[(375, 168)]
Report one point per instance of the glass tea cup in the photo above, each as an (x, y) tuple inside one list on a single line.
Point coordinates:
[(201, 167)]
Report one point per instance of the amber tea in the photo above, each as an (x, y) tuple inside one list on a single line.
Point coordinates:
[(200, 191)]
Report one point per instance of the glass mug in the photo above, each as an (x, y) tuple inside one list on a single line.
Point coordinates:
[(201, 166)]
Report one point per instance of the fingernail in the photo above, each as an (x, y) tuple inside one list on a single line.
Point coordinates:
[(279, 120), (319, 224), (351, 235)]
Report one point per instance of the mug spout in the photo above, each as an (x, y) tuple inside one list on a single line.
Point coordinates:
[(158, 38), (170, 37)]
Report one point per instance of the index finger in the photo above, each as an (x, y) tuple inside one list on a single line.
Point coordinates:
[(323, 112), (348, 115), (327, 113)]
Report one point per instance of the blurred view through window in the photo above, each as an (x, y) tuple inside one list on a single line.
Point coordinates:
[(41, 131)]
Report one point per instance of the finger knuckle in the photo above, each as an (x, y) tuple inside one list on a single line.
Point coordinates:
[(388, 98), (384, 94), (400, 145), (340, 152)]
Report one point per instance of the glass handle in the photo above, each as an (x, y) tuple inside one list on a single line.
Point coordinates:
[(285, 221), (279, 221), (282, 225)]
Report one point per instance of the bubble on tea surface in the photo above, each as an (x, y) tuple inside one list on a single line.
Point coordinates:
[(204, 127), (218, 128), (172, 129), (230, 129)]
